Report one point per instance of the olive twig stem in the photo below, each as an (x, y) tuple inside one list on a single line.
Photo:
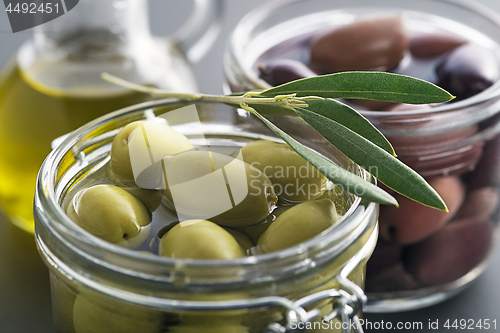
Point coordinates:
[(290, 101), (248, 108)]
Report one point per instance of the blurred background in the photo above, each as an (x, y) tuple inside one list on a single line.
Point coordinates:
[(24, 285)]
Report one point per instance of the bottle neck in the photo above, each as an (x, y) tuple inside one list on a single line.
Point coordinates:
[(70, 52), (95, 29)]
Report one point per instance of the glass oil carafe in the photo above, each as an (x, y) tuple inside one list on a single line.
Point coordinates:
[(53, 84)]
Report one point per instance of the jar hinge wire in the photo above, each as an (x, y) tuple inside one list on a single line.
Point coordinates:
[(348, 306), (350, 300)]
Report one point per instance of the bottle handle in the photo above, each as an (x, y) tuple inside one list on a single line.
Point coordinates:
[(201, 29)]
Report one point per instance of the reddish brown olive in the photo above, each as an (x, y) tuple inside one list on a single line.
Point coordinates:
[(384, 256), (430, 45), (377, 42), (412, 221), (479, 204), (392, 278), (450, 253)]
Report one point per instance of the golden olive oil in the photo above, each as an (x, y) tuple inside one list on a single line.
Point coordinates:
[(31, 116)]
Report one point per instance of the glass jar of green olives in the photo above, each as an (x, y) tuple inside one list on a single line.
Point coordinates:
[(423, 256), (317, 284)]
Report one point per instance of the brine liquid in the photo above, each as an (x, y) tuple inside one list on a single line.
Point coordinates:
[(31, 116)]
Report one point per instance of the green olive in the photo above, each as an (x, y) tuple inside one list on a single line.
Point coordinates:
[(242, 239), (298, 224), (199, 239), (294, 179), (112, 214), (148, 142), (94, 313), (224, 189), (256, 230)]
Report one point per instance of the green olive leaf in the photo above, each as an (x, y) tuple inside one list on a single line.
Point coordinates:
[(378, 86), (332, 171), (339, 112), (340, 125), (388, 169), (352, 119)]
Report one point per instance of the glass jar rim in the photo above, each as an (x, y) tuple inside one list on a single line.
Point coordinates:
[(258, 15), (58, 224)]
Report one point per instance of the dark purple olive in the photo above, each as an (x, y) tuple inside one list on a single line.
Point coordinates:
[(468, 70), (284, 70)]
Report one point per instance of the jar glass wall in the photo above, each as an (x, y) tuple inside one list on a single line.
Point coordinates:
[(96, 284), (423, 256)]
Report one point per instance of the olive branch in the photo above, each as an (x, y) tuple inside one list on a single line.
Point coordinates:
[(313, 100)]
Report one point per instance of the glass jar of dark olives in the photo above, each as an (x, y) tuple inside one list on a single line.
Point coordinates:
[(120, 261), (423, 256)]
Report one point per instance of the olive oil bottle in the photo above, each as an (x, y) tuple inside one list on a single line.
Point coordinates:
[(53, 86), (31, 116)]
